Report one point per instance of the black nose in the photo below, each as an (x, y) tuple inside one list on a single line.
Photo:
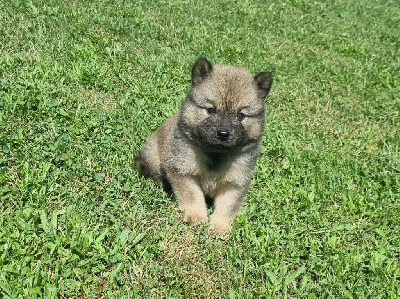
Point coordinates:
[(222, 134)]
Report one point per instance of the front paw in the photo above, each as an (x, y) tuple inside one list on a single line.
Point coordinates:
[(220, 224), (193, 217)]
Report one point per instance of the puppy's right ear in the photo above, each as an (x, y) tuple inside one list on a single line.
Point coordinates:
[(201, 69)]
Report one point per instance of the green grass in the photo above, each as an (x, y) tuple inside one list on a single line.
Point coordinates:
[(83, 83)]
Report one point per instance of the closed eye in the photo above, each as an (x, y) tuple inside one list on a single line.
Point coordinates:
[(241, 116), (211, 110)]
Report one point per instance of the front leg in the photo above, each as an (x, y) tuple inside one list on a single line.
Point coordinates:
[(227, 203), (190, 197)]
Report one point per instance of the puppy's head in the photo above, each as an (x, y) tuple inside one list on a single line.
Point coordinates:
[(225, 106)]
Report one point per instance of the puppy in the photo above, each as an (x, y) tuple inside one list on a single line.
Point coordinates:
[(209, 148)]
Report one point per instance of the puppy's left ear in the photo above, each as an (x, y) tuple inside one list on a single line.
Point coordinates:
[(264, 82)]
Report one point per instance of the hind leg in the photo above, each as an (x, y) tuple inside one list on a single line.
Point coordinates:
[(147, 162)]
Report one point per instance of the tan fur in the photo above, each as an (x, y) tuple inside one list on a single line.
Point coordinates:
[(203, 152)]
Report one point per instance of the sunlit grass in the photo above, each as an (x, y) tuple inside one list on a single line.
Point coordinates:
[(82, 84)]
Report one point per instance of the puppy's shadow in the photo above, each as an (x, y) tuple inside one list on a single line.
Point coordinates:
[(166, 186), (209, 202)]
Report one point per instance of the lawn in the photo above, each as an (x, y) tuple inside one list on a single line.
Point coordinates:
[(82, 85)]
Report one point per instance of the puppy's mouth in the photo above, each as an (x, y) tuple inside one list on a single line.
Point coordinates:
[(218, 141)]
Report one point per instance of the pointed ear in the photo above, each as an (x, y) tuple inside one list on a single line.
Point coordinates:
[(264, 82), (201, 69)]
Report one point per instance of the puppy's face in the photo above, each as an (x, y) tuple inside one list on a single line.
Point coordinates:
[(225, 107)]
